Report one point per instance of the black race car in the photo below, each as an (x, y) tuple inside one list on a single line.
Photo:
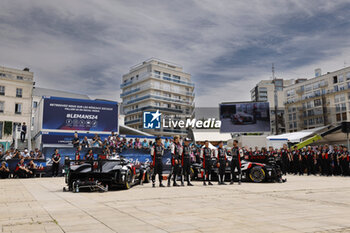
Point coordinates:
[(104, 174), (251, 171)]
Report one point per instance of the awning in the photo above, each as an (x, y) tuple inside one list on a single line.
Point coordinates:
[(296, 136)]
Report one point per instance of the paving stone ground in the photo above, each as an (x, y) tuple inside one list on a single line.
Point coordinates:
[(303, 204)]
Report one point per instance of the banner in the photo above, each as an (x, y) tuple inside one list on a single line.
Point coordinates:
[(80, 114)]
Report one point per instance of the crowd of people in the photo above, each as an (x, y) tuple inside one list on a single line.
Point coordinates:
[(114, 141), (13, 153), (325, 160)]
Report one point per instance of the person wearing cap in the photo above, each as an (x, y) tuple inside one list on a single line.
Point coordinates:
[(157, 152), (206, 155), (26, 154), (222, 160), (176, 150), (235, 162), (186, 162)]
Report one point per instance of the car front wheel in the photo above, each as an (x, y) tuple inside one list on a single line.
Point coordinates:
[(257, 174)]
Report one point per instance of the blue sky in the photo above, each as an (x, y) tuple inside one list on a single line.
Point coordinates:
[(228, 46)]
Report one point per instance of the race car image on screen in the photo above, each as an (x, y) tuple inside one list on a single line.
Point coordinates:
[(251, 171), (242, 118), (102, 175)]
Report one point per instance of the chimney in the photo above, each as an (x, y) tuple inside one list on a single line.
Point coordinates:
[(26, 69)]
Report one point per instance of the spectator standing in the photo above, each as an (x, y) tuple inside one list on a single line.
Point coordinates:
[(23, 132), (75, 140), (85, 143), (166, 144), (56, 158), (145, 144)]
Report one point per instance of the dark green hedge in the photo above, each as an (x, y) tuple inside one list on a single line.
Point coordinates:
[(8, 127)]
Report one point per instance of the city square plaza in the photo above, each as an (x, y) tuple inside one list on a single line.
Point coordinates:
[(302, 204)]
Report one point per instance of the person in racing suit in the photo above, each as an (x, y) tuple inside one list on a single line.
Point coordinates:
[(295, 158), (206, 155), (222, 160), (186, 162), (157, 152), (285, 159), (176, 150), (235, 162), (310, 156)]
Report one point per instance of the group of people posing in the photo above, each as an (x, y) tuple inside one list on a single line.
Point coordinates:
[(324, 160), (181, 161)]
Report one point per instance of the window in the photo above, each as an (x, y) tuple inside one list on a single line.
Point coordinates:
[(19, 92), (308, 87), (2, 90), (290, 117), (157, 73), (341, 116), (2, 75), (295, 124), (20, 77), (339, 98), (18, 108), (336, 88), (176, 77), (35, 104), (305, 123), (2, 104), (317, 102), (335, 79), (348, 76), (341, 87), (340, 78)]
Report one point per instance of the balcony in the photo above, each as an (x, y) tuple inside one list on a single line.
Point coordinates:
[(148, 75), (154, 87), (153, 107), (159, 97)]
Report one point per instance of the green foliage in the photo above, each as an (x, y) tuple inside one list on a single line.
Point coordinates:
[(8, 128)]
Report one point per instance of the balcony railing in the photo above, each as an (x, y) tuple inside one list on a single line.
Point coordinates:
[(158, 97), (153, 107), (150, 86), (147, 75)]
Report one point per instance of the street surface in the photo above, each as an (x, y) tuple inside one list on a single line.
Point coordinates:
[(303, 204)]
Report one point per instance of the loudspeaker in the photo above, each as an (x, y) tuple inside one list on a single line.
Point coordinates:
[(345, 127)]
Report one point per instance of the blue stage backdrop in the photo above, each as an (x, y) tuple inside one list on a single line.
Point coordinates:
[(134, 155), (80, 114)]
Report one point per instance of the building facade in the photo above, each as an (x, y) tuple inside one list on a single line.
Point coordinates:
[(157, 85), (318, 101), (15, 101), (265, 91)]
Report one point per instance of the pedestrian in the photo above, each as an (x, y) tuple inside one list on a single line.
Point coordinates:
[(310, 156), (235, 162), (296, 164), (186, 162), (23, 132), (206, 155), (176, 150), (56, 158), (75, 140), (222, 160), (285, 159), (157, 152)]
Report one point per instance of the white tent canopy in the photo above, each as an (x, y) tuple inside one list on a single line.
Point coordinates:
[(210, 136), (295, 137)]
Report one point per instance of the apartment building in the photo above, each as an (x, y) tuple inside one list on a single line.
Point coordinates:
[(157, 85), (265, 91), (318, 101), (15, 100)]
